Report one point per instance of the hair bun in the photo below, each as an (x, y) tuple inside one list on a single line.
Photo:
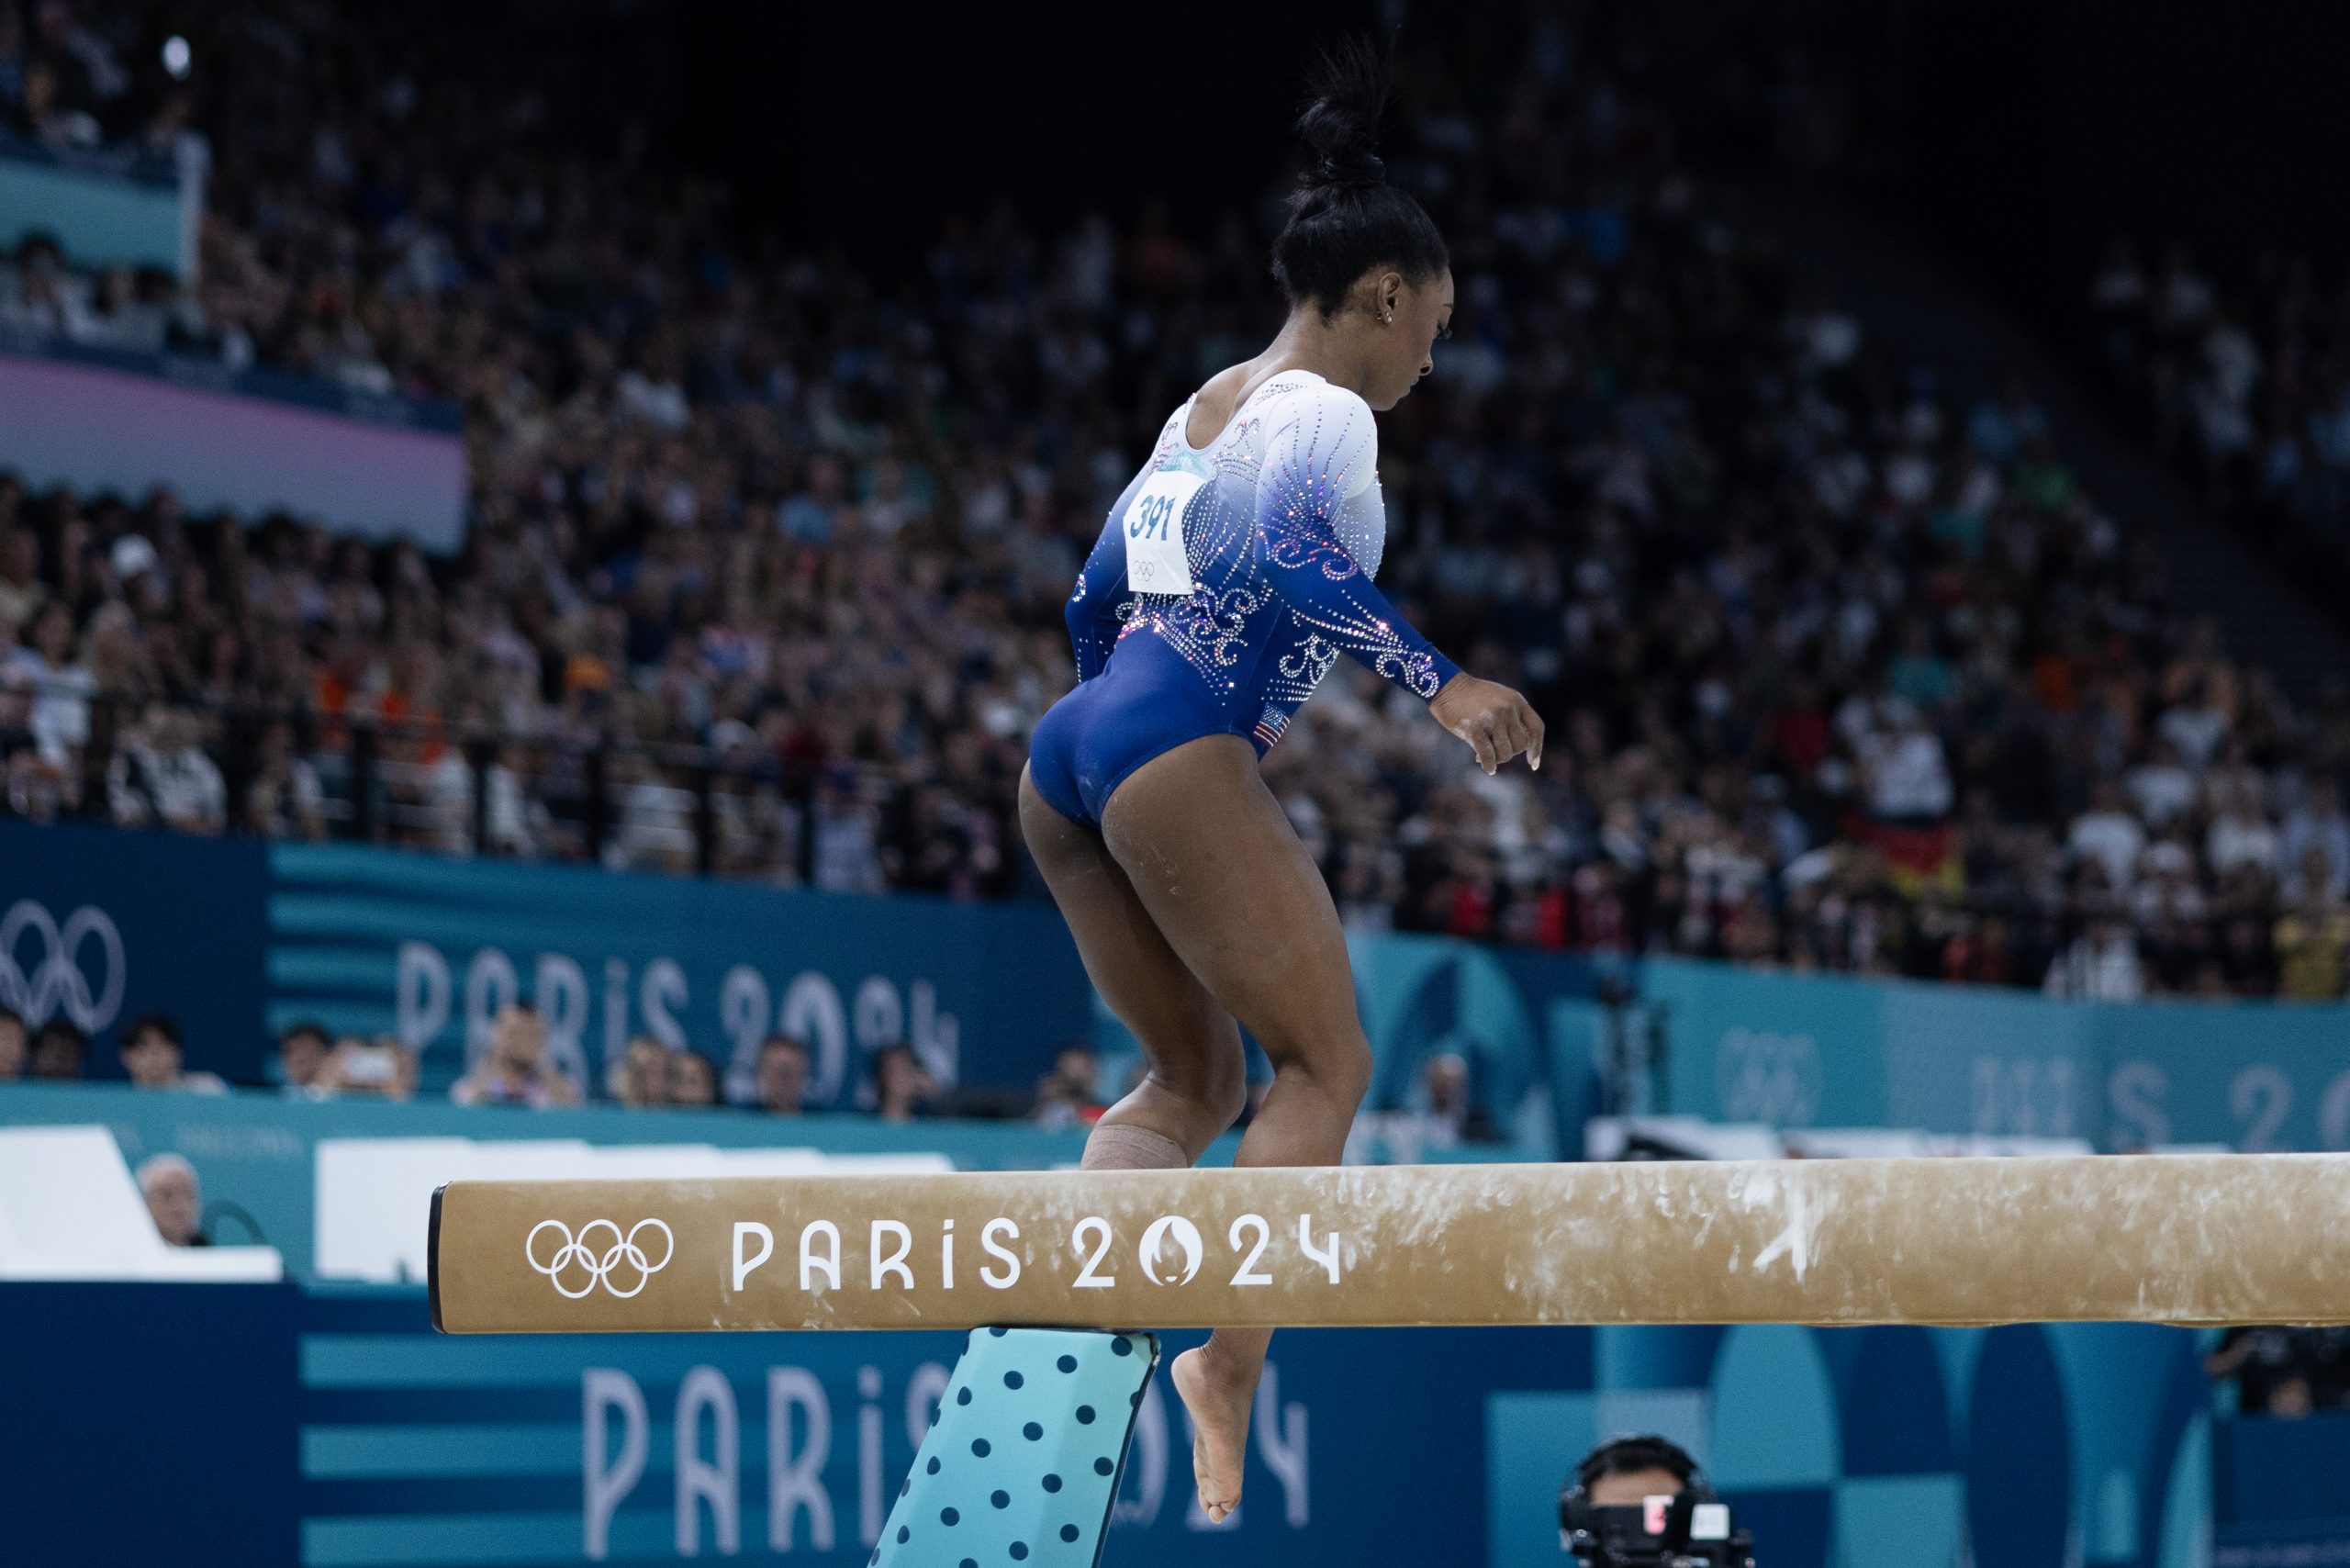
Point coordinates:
[(1348, 88), (1362, 169), (1344, 216)]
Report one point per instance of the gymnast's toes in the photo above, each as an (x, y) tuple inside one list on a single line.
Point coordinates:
[(1219, 1410)]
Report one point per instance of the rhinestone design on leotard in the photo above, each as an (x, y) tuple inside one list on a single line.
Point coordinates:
[(1283, 539)]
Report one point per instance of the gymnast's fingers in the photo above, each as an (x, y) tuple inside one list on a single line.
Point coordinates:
[(1480, 736), (1509, 732), (1533, 747)]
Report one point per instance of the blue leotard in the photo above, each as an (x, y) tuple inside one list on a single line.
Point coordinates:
[(1279, 526)]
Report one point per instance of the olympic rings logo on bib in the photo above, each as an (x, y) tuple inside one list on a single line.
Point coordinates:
[(577, 1259)]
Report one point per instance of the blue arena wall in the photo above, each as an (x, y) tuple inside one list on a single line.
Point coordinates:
[(236, 938), (1829, 1052), (427, 949), (332, 1429), (156, 922)]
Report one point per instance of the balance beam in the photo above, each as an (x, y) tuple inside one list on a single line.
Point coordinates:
[(2183, 1240)]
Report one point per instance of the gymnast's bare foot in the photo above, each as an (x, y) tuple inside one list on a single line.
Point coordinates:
[(1218, 1399)]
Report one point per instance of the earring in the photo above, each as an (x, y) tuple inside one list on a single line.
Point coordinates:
[(1389, 318)]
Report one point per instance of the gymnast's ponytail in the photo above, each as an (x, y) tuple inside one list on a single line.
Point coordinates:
[(1343, 218)]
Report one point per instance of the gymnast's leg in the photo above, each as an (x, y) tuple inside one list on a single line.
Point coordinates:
[(1196, 1079), (1208, 851)]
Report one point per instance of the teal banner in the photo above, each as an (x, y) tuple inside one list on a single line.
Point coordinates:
[(104, 209), (370, 941), (1831, 1051), (2257, 1077), (330, 1427)]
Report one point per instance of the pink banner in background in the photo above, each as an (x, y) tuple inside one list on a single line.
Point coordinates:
[(94, 430)]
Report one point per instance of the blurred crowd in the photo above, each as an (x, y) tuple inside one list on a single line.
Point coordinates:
[(2283, 1370), (767, 551), (75, 79), (2246, 382), (516, 1068)]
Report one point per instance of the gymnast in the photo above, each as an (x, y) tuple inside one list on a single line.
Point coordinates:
[(1229, 576)]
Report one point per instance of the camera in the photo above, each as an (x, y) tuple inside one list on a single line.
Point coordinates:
[(1688, 1527)]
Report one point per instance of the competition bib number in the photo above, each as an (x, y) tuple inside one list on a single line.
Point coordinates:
[(1155, 561)]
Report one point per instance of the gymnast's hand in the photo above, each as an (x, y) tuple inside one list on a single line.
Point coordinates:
[(1491, 717)]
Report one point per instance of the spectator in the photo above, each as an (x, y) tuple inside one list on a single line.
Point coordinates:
[(514, 1071), (818, 526), (34, 783), (13, 1045), (901, 1089), (151, 1055), (656, 829), (58, 1050), (303, 1053), (641, 1075), (2246, 398), (2312, 938), (382, 1068), (2326, 1354), (2270, 1367), (842, 830), (1070, 1095), (2315, 844), (162, 777), (1903, 764), (22, 592), (286, 798), (782, 1075), (174, 1200), (2108, 835), (2240, 837), (693, 1080), (62, 685), (2101, 965), (1450, 1117), (2161, 787)]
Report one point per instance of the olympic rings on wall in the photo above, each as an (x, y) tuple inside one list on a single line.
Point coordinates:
[(54, 982)]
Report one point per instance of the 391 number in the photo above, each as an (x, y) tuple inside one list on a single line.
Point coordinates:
[(1151, 518)]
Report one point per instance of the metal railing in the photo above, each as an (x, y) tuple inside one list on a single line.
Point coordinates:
[(296, 772)]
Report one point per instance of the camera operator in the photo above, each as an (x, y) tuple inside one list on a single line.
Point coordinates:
[(1641, 1502)]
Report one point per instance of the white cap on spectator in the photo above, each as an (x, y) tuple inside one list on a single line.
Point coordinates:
[(132, 555)]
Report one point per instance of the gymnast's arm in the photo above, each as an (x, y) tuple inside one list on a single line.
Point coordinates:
[(1093, 609), (1322, 456)]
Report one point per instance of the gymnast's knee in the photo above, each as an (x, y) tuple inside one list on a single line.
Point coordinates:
[(1209, 1099), (1337, 1068), (1223, 1092)]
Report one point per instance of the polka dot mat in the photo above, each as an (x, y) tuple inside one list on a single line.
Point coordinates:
[(1024, 1461)]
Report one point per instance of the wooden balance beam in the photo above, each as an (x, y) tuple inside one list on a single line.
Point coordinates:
[(2185, 1239)]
